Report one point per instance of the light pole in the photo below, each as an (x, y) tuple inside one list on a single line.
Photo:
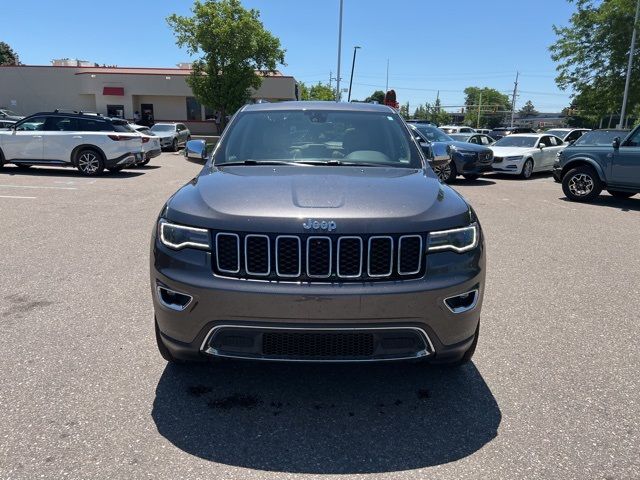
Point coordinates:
[(353, 65), (338, 94), (627, 82)]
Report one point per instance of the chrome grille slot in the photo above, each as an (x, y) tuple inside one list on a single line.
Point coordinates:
[(257, 255), (288, 256), (380, 257), (409, 254), (319, 250), (228, 252)]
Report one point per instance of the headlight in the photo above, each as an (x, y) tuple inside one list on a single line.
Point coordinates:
[(180, 236), (513, 158), (458, 239)]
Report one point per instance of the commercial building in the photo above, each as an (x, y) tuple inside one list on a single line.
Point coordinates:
[(158, 94)]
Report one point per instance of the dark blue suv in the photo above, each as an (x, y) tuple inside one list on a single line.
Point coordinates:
[(600, 159)]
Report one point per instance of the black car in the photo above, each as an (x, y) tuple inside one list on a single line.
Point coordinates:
[(499, 132), (468, 159)]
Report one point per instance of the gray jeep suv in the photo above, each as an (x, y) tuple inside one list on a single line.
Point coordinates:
[(600, 159), (316, 231)]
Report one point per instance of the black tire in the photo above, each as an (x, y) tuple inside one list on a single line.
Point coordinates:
[(619, 194), (447, 173), (146, 161), (1, 159), (527, 169), (581, 184), (471, 177), (174, 145), (162, 348), (89, 162)]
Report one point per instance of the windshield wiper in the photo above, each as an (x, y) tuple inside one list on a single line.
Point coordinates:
[(254, 162), (340, 163)]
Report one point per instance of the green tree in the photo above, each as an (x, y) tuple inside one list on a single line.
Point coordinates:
[(528, 110), (437, 115), (592, 52), (404, 111), (232, 45), (321, 91), (7, 55), (377, 96), (492, 107), (421, 112)]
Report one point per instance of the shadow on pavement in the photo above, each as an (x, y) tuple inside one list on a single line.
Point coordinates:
[(623, 204), (506, 176), (67, 172), (327, 419), (480, 182)]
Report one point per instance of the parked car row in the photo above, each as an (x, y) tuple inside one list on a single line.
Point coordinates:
[(87, 141)]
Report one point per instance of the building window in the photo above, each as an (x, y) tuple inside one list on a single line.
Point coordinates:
[(194, 111), (115, 111)]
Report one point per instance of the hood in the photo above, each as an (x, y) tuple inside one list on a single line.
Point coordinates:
[(163, 134), (470, 147), (280, 199), (510, 151)]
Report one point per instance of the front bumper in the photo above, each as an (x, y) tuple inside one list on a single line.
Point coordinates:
[(470, 165), (399, 306), (166, 142), (510, 167)]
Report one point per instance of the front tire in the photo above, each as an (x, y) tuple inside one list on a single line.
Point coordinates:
[(581, 184), (447, 173), (89, 162), (619, 194), (174, 145), (527, 169)]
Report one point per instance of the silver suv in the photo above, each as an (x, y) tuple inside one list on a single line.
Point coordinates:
[(316, 231)]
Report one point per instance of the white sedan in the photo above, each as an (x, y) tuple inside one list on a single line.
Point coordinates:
[(150, 143), (524, 153)]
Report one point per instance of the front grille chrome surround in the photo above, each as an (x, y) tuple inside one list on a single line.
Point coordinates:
[(319, 258)]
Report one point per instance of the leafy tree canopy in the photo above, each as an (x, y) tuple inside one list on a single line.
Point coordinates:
[(528, 110), (320, 91), (232, 45), (492, 108), (7, 55), (377, 96)]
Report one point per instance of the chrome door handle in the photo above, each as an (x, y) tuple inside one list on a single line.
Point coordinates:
[(77, 136)]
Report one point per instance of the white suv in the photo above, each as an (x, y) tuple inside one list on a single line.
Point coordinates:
[(90, 143)]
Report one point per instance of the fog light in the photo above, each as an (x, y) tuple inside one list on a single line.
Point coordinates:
[(463, 302), (172, 299)]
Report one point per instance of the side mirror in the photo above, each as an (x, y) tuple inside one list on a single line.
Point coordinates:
[(196, 149), (616, 143), (541, 146)]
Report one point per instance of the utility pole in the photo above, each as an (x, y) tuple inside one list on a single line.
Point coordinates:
[(478, 117), (330, 78), (438, 100), (339, 52), (386, 87), (629, 66), (353, 66), (513, 100)]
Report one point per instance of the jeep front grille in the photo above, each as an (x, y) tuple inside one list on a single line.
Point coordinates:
[(318, 258)]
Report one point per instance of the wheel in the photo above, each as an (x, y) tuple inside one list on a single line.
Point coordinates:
[(471, 177), (146, 161), (89, 162), (619, 194), (174, 145), (527, 169), (581, 184), (189, 138), (162, 348), (22, 166), (446, 173)]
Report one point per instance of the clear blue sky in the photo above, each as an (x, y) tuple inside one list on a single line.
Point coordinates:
[(431, 45)]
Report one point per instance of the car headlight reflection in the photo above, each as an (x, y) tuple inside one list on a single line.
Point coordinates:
[(458, 239), (180, 236)]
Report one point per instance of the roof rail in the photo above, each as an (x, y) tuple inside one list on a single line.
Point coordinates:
[(77, 112)]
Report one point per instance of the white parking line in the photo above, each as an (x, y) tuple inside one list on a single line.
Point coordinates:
[(14, 196), (34, 186)]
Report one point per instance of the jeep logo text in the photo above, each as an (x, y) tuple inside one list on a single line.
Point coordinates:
[(328, 225)]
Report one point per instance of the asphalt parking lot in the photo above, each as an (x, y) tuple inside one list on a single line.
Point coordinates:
[(552, 392)]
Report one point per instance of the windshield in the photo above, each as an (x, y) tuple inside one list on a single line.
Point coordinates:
[(9, 112), (557, 133), (600, 137), (305, 136), (460, 137), (514, 141), (163, 128), (433, 134)]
